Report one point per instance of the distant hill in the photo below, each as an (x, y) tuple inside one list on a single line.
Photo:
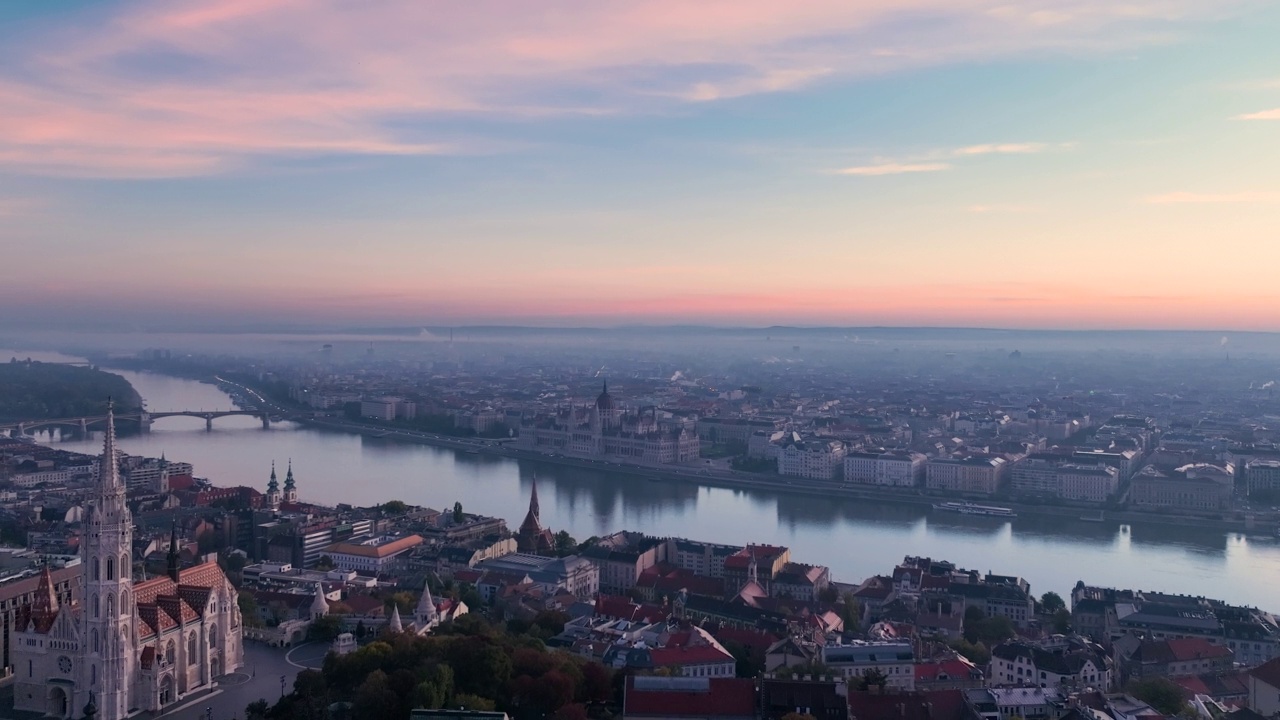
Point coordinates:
[(38, 391)]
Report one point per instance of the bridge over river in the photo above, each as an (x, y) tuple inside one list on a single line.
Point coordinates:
[(143, 419)]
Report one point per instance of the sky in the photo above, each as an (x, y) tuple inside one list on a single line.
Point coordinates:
[(327, 163)]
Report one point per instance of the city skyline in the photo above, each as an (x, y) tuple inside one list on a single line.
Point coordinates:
[(1064, 164)]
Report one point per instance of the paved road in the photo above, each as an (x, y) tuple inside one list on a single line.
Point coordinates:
[(259, 679)]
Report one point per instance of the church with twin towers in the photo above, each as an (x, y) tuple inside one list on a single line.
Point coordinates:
[(130, 646)]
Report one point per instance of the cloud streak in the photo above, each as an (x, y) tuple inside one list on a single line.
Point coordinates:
[(1002, 149), (192, 87), (1273, 114), (1190, 198), (893, 169)]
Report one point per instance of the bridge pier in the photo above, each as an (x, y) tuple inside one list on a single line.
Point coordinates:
[(84, 428), (266, 423), (208, 424), (22, 429)]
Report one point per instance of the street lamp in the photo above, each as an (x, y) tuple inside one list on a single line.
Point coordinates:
[(282, 687)]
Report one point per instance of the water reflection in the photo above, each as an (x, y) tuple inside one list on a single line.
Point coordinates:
[(854, 537)]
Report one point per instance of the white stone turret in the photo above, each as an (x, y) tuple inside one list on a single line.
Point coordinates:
[(319, 606), (395, 624), (426, 616)]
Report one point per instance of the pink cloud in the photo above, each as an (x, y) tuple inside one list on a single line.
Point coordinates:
[(294, 77)]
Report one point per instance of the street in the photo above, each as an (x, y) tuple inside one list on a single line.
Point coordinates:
[(260, 678)]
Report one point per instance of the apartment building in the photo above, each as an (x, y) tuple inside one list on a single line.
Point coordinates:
[(813, 459), (893, 469), (972, 475)]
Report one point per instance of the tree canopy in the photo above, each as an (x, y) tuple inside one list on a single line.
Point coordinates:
[(469, 665), (38, 391), (1052, 602), (1160, 693)]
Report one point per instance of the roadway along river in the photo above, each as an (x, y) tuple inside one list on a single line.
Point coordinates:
[(855, 539)]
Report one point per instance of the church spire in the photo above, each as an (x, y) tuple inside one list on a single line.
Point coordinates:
[(273, 485), (174, 562), (109, 466), (44, 607), (533, 518), (396, 625), (288, 478)]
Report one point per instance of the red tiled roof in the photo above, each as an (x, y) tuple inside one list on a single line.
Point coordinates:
[(680, 656), (1196, 649), (175, 608), (148, 656), (1268, 672), (725, 697), (621, 607), (957, 668)]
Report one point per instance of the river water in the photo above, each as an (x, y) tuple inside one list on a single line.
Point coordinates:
[(856, 539)]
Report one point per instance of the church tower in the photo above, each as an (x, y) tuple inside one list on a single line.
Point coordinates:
[(531, 538), (273, 490), (175, 561), (290, 489), (108, 588)]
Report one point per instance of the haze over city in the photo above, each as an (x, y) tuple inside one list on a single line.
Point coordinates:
[(246, 165)]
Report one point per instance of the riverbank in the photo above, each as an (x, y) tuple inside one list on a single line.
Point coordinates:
[(783, 484)]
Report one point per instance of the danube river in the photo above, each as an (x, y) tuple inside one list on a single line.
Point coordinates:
[(854, 538)]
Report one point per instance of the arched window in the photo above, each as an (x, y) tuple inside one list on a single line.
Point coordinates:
[(96, 609), (93, 674), (126, 570), (168, 652), (94, 636), (124, 603), (191, 648), (111, 605), (213, 634), (111, 568), (95, 568)]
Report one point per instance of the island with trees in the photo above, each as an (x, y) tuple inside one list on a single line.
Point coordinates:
[(31, 390)]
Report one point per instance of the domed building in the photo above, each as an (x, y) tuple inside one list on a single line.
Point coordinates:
[(605, 414), (605, 429)]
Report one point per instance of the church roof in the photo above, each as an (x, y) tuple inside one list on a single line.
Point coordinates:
[(177, 609), (148, 656)]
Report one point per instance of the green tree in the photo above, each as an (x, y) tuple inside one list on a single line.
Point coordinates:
[(829, 595), (995, 630), (565, 544), (850, 612), (457, 512), (977, 653), (436, 688), (248, 609), (1062, 621), (474, 702), (375, 698), (1161, 693), (873, 678), (325, 628), (395, 507), (256, 710), (325, 563), (404, 600), (1052, 602)]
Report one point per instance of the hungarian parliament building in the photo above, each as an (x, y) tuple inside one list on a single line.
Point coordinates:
[(604, 430), (131, 646)]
